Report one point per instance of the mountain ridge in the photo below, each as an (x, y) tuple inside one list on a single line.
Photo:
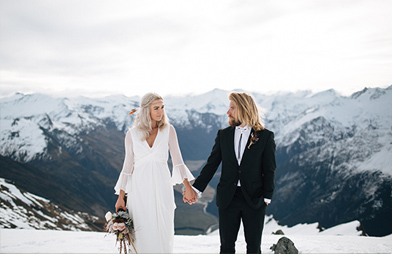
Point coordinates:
[(325, 134)]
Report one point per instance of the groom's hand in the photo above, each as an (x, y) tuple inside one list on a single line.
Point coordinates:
[(189, 196)]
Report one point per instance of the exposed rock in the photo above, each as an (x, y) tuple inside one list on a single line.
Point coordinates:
[(284, 246), (278, 232)]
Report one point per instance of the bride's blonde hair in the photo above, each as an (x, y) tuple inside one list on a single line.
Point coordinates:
[(143, 117)]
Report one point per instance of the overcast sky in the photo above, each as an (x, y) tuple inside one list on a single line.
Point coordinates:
[(96, 48)]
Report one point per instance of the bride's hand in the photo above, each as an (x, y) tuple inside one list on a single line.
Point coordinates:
[(189, 195), (120, 204)]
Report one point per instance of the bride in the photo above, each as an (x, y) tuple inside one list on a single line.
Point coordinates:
[(147, 180)]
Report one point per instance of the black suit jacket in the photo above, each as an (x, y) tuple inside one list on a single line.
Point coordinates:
[(256, 171)]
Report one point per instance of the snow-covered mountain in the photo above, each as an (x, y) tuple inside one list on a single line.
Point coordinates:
[(26, 118), (24, 210), (333, 152), (335, 158), (27, 122)]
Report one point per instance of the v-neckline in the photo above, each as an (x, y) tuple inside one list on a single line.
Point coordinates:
[(154, 142)]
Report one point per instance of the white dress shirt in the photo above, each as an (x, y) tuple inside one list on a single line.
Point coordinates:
[(244, 133)]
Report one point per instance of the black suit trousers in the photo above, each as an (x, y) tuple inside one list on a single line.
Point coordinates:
[(229, 223)]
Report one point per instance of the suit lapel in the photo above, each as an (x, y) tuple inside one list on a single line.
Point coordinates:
[(231, 143)]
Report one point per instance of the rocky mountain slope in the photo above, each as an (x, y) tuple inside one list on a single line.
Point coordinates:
[(334, 153)]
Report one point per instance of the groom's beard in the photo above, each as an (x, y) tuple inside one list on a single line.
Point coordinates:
[(233, 122)]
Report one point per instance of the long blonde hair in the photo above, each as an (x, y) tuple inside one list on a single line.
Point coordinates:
[(247, 111), (143, 117)]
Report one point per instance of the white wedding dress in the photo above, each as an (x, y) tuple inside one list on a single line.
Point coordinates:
[(148, 182)]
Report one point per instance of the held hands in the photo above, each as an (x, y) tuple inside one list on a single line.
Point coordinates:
[(189, 195)]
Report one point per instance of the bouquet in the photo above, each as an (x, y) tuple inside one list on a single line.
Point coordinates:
[(121, 225)]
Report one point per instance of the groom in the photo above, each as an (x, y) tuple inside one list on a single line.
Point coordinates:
[(247, 152)]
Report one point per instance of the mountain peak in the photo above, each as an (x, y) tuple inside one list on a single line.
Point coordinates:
[(372, 93), (343, 141)]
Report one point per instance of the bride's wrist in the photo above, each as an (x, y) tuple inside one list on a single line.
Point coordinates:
[(186, 183)]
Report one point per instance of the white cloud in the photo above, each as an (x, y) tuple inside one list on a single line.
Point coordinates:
[(132, 47)]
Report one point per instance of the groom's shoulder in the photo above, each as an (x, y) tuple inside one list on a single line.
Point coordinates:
[(266, 133), (222, 132), (226, 130)]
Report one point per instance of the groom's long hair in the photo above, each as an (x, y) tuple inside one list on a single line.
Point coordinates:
[(247, 111)]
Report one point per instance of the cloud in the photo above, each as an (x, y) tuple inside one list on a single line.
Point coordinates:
[(192, 46)]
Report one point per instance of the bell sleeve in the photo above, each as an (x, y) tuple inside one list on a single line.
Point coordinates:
[(179, 170), (127, 168)]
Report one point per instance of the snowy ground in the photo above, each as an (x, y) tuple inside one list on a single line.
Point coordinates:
[(48, 241), (342, 239)]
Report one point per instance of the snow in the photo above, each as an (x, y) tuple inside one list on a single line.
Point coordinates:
[(366, 114), (45, 246), (24, 135), (377, 160), (23, 209), (215, 101), (341, 239), (25, 114), (13, 192)]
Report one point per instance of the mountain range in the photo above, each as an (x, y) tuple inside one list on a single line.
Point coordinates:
[(334, 154)]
